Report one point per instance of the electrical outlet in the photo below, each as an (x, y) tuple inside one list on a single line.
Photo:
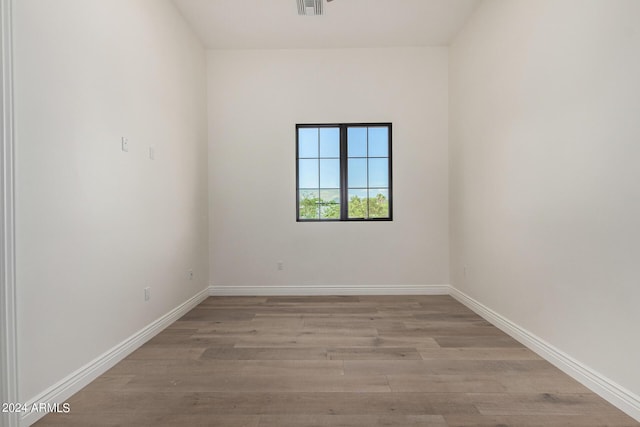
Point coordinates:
[(190, 274), (152, 153), (147, 293), (125, 144), (280, 265)]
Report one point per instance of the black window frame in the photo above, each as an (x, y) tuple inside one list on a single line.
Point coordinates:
[(344, 171)]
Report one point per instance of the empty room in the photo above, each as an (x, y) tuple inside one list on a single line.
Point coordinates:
[(283, 213)]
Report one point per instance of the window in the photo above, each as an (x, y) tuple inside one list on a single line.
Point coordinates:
[(343, 172)]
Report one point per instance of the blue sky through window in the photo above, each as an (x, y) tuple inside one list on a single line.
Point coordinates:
[(308, 173), (330, 142), (362, 144), (324, 171)]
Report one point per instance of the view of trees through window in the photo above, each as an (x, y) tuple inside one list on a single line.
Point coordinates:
[(344, 172), (373, 207)]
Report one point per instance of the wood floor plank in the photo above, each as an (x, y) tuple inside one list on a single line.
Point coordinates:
[(157, 402), (366, 322), (488, 383), (402, 341), (261, 383), (356, 361), (373, 353), (477, 342), (330, 299), (266, 353), (345, 331), (258, 323), (192, 340), (444, 384), (234, 301), (439, 366), (541, 403), (443, 321), (538, 383), (244, 313), (503, 353), (150, 420), (444, 330), (83, 420), (303, 340), (151, 352), (212, 314), (352, 421), (538, 420), (302, 368)]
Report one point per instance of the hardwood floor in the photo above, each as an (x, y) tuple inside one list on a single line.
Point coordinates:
[(338, 362)]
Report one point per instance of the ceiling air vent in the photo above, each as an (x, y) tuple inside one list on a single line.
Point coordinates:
[(310, 7)]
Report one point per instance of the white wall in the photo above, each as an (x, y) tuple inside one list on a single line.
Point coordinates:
[(96, 225), (255, 100), (545, 206)]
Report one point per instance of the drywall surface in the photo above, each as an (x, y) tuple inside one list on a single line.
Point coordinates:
[(255, 100), (96, 225), (544, 101)]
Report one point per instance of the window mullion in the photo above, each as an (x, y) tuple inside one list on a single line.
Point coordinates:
[(344, 191), (319, 180), (367, 216)]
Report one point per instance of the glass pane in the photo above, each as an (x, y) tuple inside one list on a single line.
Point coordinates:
[(379, 142), (330, 196), (330, 204), (330, 211), (329, 173), (329, 142), (358, 204), (309, 207), (378, 173), (308, 174), (357, 173), (378, 203), (357, 142), (307, 142)]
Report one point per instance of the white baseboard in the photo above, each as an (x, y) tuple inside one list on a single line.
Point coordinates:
[(71, 384), (614, 393), (217, 290)]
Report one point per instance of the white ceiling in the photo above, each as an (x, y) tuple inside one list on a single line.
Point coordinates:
[(275, 24)]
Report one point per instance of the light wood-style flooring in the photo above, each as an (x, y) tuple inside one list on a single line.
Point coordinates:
[(349, 361)]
